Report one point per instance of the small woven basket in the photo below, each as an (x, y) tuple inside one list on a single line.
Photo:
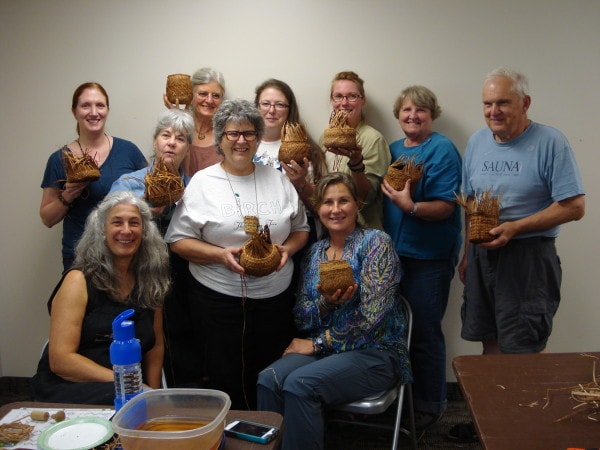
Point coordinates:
[(480, 226), (251, 224), (179, 89), (163, 186), (294, 144), (483, 214), (402, 170), (259, 256), (79, 168), (339, 134), (334, 275)]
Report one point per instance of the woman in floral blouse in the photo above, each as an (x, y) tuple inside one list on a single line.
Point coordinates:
[(353, 344)]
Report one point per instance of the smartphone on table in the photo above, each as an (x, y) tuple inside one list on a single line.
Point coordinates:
[(251, 431)]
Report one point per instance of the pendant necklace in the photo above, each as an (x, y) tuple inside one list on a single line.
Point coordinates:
[(251, 223)]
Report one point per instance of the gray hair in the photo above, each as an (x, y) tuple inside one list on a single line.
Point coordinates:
[(150, 264), (206, 75), (422, 97), (179, 120), (519, 82), (236, 111)]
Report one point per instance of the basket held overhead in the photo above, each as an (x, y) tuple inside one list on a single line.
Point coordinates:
[(339, 134), (483, 214), (79, 168), (294, 144), (335, 274), (404, 169), (164, 185), (259, 256), (179, 89)]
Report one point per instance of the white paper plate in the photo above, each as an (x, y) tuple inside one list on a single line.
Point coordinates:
[(81, 433)]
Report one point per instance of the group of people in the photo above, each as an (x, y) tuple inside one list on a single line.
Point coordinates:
[(278, 342)]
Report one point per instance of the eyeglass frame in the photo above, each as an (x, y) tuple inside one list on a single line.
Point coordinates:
[(266, 105), (253, 134), (341, 98), (214, 95)]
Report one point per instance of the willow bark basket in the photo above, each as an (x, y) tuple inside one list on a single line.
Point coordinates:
[(179, 89), (259, 256), (79, 168), (335, 274)]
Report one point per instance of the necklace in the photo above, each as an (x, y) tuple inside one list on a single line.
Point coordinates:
[(251, 223), (83, 152), (201, 136), (337, 161)]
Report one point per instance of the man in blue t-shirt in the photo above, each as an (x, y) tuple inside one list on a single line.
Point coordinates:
[(512, 283)]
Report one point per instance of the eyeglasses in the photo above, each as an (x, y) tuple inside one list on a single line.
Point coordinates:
[(203, 95), (234, 135), (338, 98), (279, 106)]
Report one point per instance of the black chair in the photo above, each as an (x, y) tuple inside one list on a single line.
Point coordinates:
[(379, 403)]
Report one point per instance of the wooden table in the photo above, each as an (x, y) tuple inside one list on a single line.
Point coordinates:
[(266, 417), (516, 400)]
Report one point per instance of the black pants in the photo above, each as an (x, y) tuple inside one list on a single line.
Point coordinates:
[(241, 337)]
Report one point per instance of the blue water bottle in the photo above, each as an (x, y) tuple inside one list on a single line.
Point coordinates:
[(126, 357)]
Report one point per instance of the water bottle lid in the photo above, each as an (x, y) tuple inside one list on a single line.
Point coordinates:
[(125, 348)]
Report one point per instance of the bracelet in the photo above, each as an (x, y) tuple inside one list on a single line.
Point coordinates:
[(302, 188), (414, 210), (63, 201), (328, 338), (361, 169), (362, 160)]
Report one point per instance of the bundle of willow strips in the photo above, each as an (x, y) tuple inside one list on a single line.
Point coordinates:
[(483, 214), (259, 256), (164, 185), (294, 144), (339, 134), (79, 168), (14, 432), (403, 169)]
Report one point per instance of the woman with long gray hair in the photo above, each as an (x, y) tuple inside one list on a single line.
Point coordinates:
[(119, 248)]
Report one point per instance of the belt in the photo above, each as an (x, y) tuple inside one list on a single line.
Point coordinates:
[(532, 240)]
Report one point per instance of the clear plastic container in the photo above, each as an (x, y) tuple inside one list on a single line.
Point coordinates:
[(159, 419)]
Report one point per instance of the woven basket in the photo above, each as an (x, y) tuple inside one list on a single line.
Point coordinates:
[(259, 257), (179, 89), (79, 168), (163, 186), (297, 151), (399, 172), (334, 275), (339, 138), (479, 227), (250, 224)]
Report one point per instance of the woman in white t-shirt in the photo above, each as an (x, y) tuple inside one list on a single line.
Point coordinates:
[(245, 321)]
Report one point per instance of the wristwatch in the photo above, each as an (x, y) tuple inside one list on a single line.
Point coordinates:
[(318, 345)]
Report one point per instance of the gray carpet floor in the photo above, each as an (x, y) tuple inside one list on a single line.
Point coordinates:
[(338, 436)]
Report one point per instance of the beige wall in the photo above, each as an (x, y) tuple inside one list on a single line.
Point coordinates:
[(49, 47)]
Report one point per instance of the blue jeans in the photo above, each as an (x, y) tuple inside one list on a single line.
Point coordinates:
[(426, 286), (298, 386)]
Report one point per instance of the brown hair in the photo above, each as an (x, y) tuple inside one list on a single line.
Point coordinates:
[(350, 76), (83, 87)]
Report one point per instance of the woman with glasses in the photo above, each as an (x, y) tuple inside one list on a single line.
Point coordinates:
[(369, 161), (209, 90), (245, 321)]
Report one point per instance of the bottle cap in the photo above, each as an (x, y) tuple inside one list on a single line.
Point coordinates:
[(125, 348)]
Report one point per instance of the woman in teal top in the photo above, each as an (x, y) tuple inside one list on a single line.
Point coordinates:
[(424, 223)]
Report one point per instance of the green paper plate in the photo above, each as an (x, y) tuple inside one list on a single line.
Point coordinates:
[(81, 433)]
